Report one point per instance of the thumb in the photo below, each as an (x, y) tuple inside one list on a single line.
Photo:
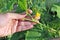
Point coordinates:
[(15, 16)]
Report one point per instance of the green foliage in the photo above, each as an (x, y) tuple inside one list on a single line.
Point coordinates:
[(6, 5)]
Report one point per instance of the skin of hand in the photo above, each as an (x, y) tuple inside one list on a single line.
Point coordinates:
[(11, 23)]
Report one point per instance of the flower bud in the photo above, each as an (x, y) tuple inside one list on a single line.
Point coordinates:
[(29, 11)]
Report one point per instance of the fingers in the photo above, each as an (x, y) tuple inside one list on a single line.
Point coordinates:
[(14, 27), (24, 25)]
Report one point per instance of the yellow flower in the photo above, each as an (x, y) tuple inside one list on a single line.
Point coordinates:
[(37, 16)]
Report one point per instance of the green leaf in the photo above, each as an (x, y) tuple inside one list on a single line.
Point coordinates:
[(32, 35), (56, 8), (22, 4)]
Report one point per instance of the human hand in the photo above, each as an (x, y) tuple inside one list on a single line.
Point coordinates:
[(11, 23)]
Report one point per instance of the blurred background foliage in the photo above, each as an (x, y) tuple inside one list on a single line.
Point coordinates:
[(49, 19)]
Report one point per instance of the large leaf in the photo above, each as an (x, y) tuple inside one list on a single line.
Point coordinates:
[(32, 35), (22, 4), (57, 9)]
